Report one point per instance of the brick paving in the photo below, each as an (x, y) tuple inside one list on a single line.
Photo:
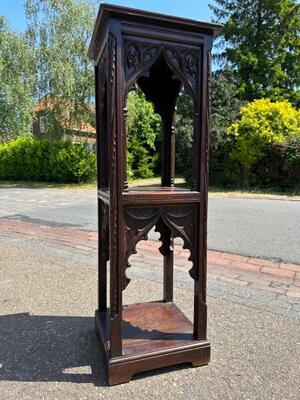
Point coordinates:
[(279, 278)]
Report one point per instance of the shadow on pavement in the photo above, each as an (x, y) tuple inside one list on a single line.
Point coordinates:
[(50, 348), (37, 221), (45, 348)]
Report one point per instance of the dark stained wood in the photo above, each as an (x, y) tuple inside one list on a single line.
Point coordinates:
[(153, 334), (162, 55), (166, 249), (151, 327)]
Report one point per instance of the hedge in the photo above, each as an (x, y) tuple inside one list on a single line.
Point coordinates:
[(26, 158), (279, 168)]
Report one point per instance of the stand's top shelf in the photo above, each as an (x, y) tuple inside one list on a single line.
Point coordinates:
[(158, 188), (155, 195), (107, 11)]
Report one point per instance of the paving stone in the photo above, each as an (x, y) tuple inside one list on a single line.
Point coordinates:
[(278, 272), (271, 289), (262, 262), (290, 267), (234, 257), (245, 266), (235, 281)]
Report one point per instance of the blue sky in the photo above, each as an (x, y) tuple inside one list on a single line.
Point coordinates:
[(13, 10)]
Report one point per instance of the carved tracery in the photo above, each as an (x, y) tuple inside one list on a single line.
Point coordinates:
[(179, 220), (140, 56)]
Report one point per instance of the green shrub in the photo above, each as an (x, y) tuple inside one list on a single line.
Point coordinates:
[(143, 137), (46, 160), (280, 167), (262, 123)]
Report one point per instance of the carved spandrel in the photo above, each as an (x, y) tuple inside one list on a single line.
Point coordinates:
[(132, 59), (138, 223), (150, 54), (139, 56), (170, 221), (181, 221), (191, 66)]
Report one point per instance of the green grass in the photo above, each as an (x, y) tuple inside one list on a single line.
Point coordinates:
[(257, 193), (46, 185), (215, 191)]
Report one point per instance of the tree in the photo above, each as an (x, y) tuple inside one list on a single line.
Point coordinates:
[(16, 84), (260, 39), (184, 135), (262, 123), (225, 107), (59, 33), (143, 136)]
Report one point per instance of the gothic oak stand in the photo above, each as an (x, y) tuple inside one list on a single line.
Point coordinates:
[(162, 55)]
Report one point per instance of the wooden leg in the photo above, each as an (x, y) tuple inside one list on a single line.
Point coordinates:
[(102, 285), (102, 256), (168, 276), (166, 249), (118, 376), (200, 312), (199, 363)]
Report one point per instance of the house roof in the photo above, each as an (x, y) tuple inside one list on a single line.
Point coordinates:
[(47, 103)]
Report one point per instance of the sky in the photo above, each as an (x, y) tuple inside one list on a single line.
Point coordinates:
[(13, 10)]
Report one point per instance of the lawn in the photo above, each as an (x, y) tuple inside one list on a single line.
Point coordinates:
[(214, 191)]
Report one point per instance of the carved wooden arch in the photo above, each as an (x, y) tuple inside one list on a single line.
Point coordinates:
[(138, 61), (180, 220)]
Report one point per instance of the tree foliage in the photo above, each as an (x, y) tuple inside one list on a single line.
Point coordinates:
[(143, 137), (59, 33), (184, 135), (262, 123), (261, 41), (225, 107), (16, 84)]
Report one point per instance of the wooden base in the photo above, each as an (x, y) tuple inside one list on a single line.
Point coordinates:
[(154, 335)]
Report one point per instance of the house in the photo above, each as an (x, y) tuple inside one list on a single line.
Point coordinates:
[(75, 131)]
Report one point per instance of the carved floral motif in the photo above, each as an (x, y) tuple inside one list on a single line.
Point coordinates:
[(132, 59), (191, 64), (139, 56)]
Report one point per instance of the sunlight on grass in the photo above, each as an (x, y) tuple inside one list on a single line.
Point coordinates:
[(272, 194)]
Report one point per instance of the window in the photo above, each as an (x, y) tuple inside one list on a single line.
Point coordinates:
[(43, 124)]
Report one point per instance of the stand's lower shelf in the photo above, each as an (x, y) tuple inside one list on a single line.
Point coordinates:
[(154, 335)]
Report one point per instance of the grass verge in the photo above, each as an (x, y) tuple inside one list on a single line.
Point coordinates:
[(272, 194)]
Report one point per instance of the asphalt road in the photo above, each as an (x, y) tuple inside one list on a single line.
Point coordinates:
[(251, 227)]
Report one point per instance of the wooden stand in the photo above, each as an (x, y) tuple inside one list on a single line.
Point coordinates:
[(162, 55)]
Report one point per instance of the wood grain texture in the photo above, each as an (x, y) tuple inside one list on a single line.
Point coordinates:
[(162, 55), (155, 335)]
